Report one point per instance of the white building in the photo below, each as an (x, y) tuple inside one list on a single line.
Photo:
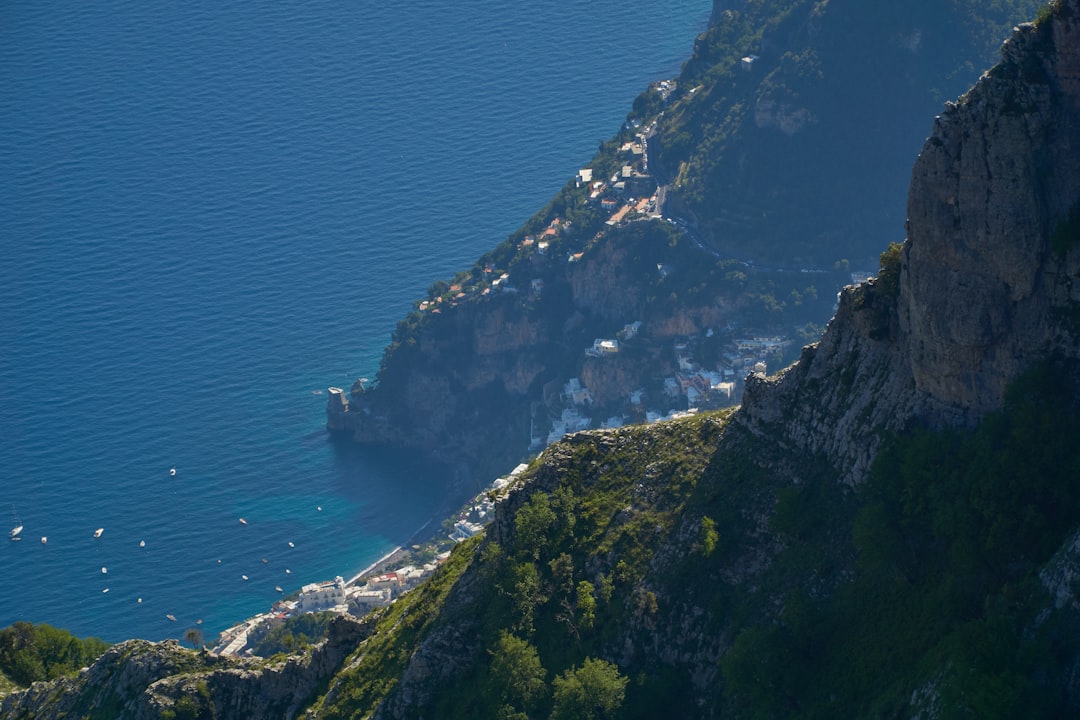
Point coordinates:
[(463, 530), (317, 597), (366, 599), (573, 392)]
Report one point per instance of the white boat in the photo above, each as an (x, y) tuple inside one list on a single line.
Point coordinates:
[(105, 590), (243, 521), (104, 570), (142, 543), (172, 471), (243, 577), (97, 533), (291, 544), (278, 588), (15, 531), (171, 617), (44, 539)]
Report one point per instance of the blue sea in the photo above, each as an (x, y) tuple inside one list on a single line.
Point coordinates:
[(210, 212)]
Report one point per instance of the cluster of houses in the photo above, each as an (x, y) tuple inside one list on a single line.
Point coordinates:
[(629, 194), (691, 388), (365, 592), (337, 595)]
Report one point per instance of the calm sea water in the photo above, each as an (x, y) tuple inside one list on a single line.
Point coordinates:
[(209, 212)]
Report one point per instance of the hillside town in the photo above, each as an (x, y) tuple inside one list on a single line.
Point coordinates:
[(379, 584)]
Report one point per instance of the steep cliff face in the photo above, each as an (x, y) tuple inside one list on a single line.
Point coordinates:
[(844, 157), (468, 378), (984, 289), (716, 561), (797, 160)]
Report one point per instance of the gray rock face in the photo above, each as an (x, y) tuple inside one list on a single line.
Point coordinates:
[(984, 292), (141, 680)]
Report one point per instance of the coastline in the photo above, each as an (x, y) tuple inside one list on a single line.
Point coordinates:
[(391, 556), (428, 539)]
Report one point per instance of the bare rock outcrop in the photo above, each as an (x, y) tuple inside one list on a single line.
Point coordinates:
[(142, 680), (986, 281)]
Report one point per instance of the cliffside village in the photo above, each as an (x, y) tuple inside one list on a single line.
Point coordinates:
[(627, 196), (690, 389), (630, 195)]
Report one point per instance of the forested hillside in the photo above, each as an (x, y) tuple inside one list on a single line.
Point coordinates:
[(803, 157)]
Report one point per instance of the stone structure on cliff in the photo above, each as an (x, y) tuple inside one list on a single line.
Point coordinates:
[(986, 278)]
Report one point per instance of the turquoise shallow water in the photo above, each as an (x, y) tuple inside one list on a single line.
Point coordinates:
[(211, 211)]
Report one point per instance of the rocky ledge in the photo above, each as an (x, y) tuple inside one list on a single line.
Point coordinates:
[(984, 286)]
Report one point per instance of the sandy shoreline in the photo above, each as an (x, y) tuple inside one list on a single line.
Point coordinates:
[(398, 554), (392, 555)]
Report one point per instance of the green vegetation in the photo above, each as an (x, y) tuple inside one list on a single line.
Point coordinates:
[(295, 634), (1045, 13), (29, 653), (1067, 233), (949, 534), (376, 668), (643, 559), (594, 691), (920, 586), (784, 160), (888, 278)]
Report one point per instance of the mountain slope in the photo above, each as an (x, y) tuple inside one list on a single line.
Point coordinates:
[(983, 287), (889, 528), (804, 158), (798, 164)]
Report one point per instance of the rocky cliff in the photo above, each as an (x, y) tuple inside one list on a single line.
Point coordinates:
[(140, 680), (766, 562), (471, 379), (796, 160), (984, 289), (844, 157)]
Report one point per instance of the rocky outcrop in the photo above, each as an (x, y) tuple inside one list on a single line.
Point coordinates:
[(465, 381), (986, 281), (117, 685), (141, 680)]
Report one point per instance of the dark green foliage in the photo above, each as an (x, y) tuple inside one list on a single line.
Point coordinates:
[(373, 672), (888, 278), (193, 636), (594, 691), (1045, 13), (949, 531), (29, 653), (808, 155), (517, 676), (295, 634), (1067, 233)]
